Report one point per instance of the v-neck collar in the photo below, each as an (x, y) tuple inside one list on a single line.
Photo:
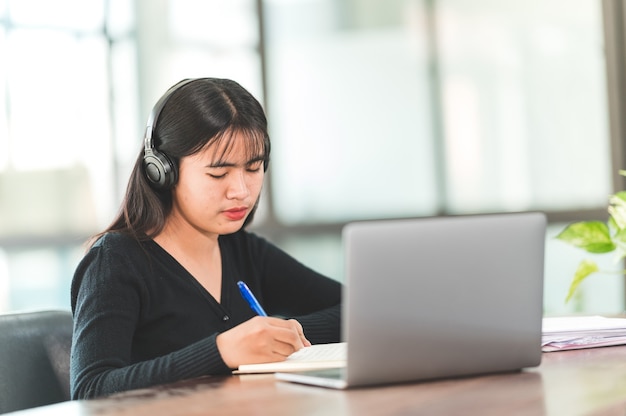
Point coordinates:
[(184, 273)]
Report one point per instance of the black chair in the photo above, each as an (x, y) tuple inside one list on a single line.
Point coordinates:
[(34, 359)]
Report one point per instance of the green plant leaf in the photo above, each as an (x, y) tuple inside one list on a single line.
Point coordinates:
[(619, 239), (585, 268), (611, 222), (617, 209), (621, 195), (592, 236)]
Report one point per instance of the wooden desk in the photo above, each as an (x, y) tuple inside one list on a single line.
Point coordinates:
[(583, 382)]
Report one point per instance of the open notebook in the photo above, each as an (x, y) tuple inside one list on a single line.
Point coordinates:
[(315, 357)]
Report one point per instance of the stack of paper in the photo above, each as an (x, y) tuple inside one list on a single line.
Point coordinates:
[(576, 332)]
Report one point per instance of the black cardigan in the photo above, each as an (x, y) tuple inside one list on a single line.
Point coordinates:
[(140, 319)]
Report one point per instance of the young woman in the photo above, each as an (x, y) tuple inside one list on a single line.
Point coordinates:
[(155, 299)]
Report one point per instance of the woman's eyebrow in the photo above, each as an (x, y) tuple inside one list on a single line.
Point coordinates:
[(256, 159), (221, 164), (226, 164)]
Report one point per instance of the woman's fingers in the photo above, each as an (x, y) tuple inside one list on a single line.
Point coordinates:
[(261, 339), (293, 333), (300, 332)]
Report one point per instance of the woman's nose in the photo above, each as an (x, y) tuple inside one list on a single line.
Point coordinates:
[(237, 186)]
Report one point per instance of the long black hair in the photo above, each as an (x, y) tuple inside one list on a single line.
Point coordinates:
[(201, 112)]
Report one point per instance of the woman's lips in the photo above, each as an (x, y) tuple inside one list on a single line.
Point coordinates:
[(236, 214)]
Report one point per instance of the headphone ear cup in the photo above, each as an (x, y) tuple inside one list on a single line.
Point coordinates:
[(160, 170)]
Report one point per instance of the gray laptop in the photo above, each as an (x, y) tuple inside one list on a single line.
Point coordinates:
[(439, 297)]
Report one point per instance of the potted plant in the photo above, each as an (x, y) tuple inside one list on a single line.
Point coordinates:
[(598, 237)]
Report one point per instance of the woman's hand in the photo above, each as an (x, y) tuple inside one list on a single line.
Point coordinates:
[(261, 340)]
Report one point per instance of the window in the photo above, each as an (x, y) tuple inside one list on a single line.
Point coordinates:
[(401, 108), (57, 168), (421, 108)]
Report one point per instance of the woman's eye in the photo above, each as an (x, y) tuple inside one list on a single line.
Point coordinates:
[(255, 167)]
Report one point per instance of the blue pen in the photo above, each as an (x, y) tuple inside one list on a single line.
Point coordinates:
[(249, 297)]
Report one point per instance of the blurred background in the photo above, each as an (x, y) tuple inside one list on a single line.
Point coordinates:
[(377, 109)]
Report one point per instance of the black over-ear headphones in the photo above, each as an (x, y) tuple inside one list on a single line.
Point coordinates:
[(160, 170)]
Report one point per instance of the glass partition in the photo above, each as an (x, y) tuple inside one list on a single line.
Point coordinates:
[(377, 109)]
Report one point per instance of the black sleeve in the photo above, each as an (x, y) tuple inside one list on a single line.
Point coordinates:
[(107, 298), (292, 290)]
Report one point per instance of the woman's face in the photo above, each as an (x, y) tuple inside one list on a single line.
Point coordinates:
[(217, 190)]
